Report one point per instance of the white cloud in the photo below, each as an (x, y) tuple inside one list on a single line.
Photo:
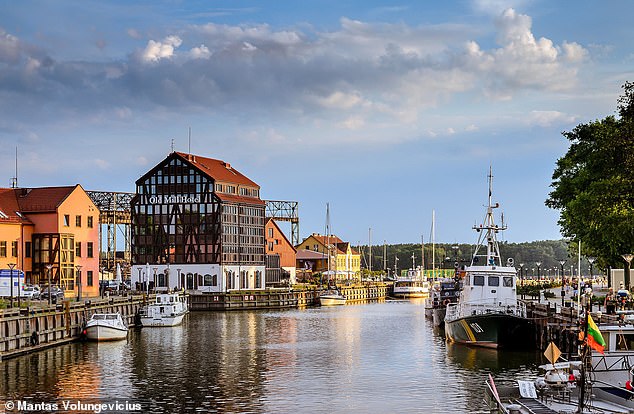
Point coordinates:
[(352, 123), (200, 52), (9, 48), (155, 51), (549, 118)]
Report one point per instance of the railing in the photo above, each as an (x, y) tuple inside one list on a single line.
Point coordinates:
[(507, 307)]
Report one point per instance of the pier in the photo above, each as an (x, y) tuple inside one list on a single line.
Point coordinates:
[(32, 329)]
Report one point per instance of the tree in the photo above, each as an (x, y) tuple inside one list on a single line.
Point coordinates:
[(593, 184)]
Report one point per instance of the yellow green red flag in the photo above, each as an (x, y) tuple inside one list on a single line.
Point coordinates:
[(595, 339)]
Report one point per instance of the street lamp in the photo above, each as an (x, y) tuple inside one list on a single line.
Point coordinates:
[(11, 266), (591, 261), (628, 259), (78, 268), (563, 275), (50, 290), (538, 270)]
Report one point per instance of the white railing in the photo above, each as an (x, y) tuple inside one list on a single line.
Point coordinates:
[(509, 307)]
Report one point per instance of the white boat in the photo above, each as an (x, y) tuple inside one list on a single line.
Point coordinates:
[(332, 297), (106, 327), (412, 286), (168, 309)]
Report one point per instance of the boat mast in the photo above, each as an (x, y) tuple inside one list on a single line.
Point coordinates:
[(433, 245), (488, 231), (328, 239), (422, 255)]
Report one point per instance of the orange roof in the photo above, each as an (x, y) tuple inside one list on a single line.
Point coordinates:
[(332, 239), (217, 169), (32, 200)]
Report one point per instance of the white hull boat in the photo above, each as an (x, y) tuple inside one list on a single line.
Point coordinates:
[(332, 298), (169, 309), (106, 327)]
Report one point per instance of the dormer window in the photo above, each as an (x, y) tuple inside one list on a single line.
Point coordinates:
[(2, 215)]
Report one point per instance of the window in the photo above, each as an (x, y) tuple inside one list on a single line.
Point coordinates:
[(27, 249), (478, 280), (78, 249), (3, 249), (77, 221), (14, 248), (89, 282), (508, 281), (494, 281), (66, 220), (270, 246), (209, 280), (89, 250), (89, 222), (271, 232)]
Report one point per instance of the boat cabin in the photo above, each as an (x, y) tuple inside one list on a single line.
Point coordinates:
[(493, 285)]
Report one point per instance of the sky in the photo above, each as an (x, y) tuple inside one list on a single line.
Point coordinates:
[(386, 110)]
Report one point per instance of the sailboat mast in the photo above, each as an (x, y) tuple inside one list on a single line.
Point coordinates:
[(370, 247), (422, 254), (433, 245), (328, 239)]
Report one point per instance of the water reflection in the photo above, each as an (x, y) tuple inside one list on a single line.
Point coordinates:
[(378, 358)]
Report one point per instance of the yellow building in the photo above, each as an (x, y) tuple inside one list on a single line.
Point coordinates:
[(345, 263)]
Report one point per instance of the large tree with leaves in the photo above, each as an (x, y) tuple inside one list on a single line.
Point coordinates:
[(593, 184)]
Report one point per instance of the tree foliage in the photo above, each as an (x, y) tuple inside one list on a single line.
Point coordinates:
[(593, 184)]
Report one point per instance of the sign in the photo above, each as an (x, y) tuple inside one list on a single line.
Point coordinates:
[(173, 199), (552, 353), (527, 389)]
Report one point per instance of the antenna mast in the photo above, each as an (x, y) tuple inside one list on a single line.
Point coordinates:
[(14, 180)]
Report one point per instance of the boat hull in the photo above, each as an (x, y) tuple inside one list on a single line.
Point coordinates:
[(105, 333), (495, 330), (331, 300), (172, 320), (411, 294), (438, 316)]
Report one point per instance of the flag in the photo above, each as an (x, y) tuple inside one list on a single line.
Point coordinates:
[(595, 339)]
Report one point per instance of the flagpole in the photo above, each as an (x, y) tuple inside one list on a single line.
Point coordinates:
[(584, 362)]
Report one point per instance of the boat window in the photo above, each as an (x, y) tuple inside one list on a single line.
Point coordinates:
[(478, 280), (508, 281), (208, 280), (624, 342), (494, 281)]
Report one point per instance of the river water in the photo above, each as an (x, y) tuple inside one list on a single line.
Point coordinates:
[(368, 358)]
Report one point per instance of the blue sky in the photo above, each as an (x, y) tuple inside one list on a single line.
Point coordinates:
[(386, 110)]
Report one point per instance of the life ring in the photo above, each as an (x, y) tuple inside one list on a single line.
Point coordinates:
[(445, 302)]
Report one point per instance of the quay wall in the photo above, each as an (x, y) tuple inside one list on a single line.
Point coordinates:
[(559, 325), (280, 298), (31, 329)]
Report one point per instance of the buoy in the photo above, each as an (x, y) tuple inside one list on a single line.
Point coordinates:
[(445, 302), (628, 385)]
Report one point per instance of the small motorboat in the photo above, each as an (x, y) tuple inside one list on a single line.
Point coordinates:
[(168, 309), (332, 297), (105, 327)]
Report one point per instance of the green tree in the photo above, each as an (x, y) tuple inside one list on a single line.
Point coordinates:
[(593, 184)]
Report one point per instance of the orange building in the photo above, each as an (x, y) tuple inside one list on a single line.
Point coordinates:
[(278, 245), (57, 226)]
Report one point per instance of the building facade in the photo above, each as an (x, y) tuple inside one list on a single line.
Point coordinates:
[(280, 254), (345, 263), (197, 224), (56, 227)]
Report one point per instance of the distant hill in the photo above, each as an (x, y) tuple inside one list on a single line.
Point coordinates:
[(547, 252)]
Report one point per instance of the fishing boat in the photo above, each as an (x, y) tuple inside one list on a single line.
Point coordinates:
[(105, 327), (168, 309), (487, 312), (445, 292)]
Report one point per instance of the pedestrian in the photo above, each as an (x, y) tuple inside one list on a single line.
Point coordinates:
[(610, 302)]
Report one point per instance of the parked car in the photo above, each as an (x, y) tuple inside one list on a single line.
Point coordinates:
[(31, 292), (54, 292)]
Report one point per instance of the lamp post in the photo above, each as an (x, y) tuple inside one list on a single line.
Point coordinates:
[(563, 275), (48, 272), (522, 278), (591, 261), (102, 288), (539, 276), (78, 268), (628, 259), (11, 266)]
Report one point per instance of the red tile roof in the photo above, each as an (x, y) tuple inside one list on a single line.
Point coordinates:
[(218, 169), (9, 206), (32, 200), (239, 199)]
